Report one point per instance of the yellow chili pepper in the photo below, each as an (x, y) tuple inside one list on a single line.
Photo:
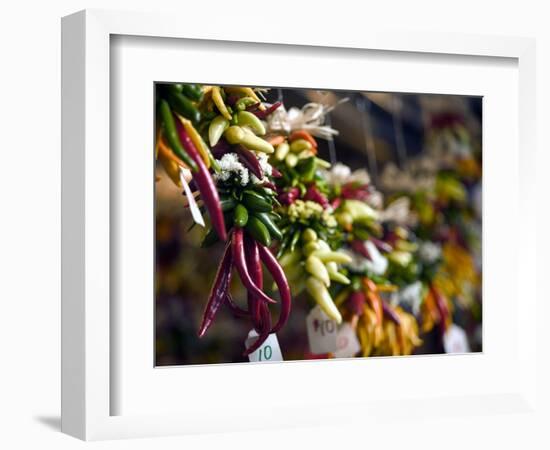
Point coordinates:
[(321, 295), (218, 101), (194, 135)]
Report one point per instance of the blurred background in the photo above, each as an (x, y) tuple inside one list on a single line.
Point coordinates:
[(404, 140)]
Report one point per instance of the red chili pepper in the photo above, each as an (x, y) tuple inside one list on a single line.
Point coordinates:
[(303, 134), (356, 302), (221, 148), (264, 332), (240, 263), (249, 160), (390, 313), (279, 277), (217, 292), (270, 185), (381, 245), (336, 203), (205, 184), (266, 112), (314, 195), (360, 247), (290, 196), (254, 265), (275, 173)]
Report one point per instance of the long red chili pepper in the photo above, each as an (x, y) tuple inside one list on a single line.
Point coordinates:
[(356, 302), (240, 263), (264, 331), (205, 184), (217, 292), (266, 112), (441, 308), (360, 247), (279, 277), (254, 265)]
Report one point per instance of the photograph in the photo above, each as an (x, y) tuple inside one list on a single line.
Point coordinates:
[(314, 224)]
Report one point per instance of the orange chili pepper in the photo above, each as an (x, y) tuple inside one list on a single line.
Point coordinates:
[(275, 140), (164, 150)]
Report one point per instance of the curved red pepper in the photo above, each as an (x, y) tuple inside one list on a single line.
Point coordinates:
[(234, 308), (254, 265), (205, 184), (390, 313), (240, 263), (218, 291), (279, 277)]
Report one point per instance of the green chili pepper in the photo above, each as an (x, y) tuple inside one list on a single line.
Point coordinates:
[(182, 105), (256, 202), (294, 240), (228, 204), (258, 231), (307, 169), (238, 135), (193, 91), (172, 135), (240, 215), (243, 102), (270, 225), (218, 125)]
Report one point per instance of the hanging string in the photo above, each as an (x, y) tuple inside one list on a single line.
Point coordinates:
[(363, 105), (400, 143)]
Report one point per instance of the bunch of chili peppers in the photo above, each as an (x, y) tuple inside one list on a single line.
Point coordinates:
[(233, 181)]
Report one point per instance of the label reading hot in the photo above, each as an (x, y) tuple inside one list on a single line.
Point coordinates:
[(321, 332)]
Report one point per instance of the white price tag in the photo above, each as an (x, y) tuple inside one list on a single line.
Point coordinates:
[(347, 342), (455, 340), (268, 351), (321, 332)]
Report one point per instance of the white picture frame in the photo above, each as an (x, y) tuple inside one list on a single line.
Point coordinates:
[(89, 330)]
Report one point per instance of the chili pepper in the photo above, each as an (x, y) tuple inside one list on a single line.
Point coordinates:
[(381, 245), (240, 264), (237, 135), (171, 134), (240, 215), (336, 203), (321, 295), (316, 268), (171, 168), (193, 91), (215, 131), (249, 160), (218, 101), (221, 148), (252, 258), (290, 196), (304, 135), (356, 302), (314, 195), (182, 105), (332, 269), (331, 256), (263, 114), (299, 145), (307, 169), (441, 308), (390, 313), (276, 140), (282, 151), (206, 185), (270, 225), (258, 230), (244, 102), (163, 149), (294, 240), (275, 173), (256, 202), (309, 235), (228, 203), (279, 277), (197, 140), (270, 185), (264, 331), (374, 299), (217, 292), (291, 160), (248, 119)]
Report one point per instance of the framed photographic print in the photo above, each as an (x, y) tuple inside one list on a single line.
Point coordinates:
[(240, 208)]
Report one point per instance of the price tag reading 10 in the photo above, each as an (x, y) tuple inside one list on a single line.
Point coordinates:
[(321, 332), (268, 351)]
